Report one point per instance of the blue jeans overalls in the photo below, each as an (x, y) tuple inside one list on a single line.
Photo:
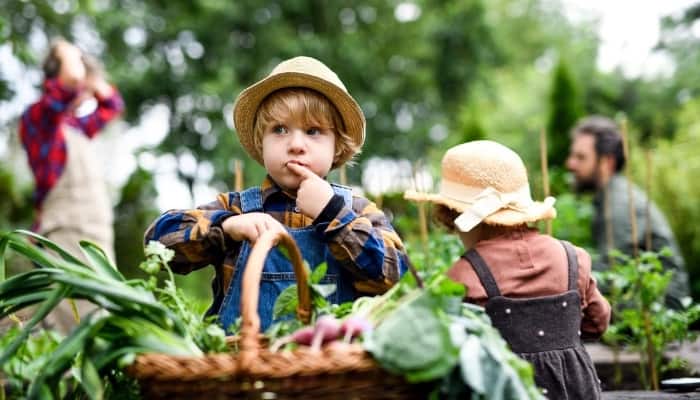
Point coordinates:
[(277, 272)]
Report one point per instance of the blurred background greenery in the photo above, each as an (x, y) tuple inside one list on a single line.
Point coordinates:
[(428, 74)]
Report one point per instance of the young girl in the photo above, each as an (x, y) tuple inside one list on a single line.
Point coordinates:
[(538, 290)]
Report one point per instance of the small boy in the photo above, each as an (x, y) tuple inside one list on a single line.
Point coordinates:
[(537, 290), (299, 123)]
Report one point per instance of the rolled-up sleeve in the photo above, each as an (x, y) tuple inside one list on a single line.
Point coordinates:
[(595, 308), (362, 239), (196, 235)]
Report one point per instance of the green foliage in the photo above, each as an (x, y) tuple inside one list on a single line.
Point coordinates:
[(15, 210), (401, 213), (428, 334), (573, 221), (564, 109), (287, 302), (674, 165), (135, 316), (25, 366), (436, 256), (462, 52), (205, 332), (134, 212), (15, 200), (642, 321)]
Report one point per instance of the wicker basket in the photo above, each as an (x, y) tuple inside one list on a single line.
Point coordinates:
[(256, 373)]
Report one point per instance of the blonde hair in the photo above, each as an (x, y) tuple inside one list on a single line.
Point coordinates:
[(308, 107)]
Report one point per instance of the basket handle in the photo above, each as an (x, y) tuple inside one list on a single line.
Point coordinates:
[(250, 327)]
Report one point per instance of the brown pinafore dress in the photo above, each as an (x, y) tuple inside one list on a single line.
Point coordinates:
[(544, 331)]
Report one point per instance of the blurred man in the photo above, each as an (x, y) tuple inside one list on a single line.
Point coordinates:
[(596, 160), (70, 195)]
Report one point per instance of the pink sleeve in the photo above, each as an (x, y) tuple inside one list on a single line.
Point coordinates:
[(595, 308)]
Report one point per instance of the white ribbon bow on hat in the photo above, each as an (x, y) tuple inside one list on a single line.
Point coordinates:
[(490, 200)]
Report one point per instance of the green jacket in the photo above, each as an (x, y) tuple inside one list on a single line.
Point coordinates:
[(661, 234)]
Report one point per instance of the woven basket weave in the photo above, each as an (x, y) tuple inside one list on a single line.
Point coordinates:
[(254, 372)]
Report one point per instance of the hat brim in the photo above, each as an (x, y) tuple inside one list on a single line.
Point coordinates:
[(247, 103), (537, 211)]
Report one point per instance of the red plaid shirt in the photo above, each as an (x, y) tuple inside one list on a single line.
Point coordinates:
[(41, 131)]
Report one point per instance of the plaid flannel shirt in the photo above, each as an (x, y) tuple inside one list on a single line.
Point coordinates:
[(41, 131), (359, 237)]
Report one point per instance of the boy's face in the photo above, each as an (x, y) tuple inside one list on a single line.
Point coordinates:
[(289, 140)]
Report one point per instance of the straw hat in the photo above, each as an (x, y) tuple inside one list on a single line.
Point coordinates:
[(304, 72), (486, 182)]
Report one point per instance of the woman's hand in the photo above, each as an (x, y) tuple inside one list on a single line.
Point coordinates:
[(72, 72)]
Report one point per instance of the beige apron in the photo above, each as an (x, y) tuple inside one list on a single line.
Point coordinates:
[(77, 208)]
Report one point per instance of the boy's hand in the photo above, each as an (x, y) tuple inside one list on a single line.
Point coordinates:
[(313, 193), (250, 226)]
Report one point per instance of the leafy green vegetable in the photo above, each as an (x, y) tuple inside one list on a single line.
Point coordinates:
[(288, 300), (31, 355), (318, 273), (286, 303), (136, 316), (414, 342), (428, 335)]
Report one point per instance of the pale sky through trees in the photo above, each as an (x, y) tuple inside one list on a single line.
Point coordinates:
[(629, 29)]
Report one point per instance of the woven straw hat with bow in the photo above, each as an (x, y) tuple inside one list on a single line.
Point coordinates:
[(486, 182), (298, 72)]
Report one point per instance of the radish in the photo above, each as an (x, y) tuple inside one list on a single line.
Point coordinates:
[(353, 327), (327, 329), (301, 336)]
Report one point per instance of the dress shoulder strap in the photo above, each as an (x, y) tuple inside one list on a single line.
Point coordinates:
[(573, 264), (483, 272)]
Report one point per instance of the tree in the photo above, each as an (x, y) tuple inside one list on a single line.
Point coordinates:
[(564, 109), (135, 210)]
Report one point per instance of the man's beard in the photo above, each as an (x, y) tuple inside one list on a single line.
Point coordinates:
[(587, 185)]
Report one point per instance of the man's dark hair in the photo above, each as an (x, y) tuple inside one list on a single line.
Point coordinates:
[(608, 140)]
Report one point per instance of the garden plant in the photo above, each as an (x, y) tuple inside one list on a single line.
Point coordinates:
[(450, 346), (641, 321)]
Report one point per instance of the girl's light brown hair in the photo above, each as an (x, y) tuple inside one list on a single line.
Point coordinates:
[(310, 108), (445, 217)]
